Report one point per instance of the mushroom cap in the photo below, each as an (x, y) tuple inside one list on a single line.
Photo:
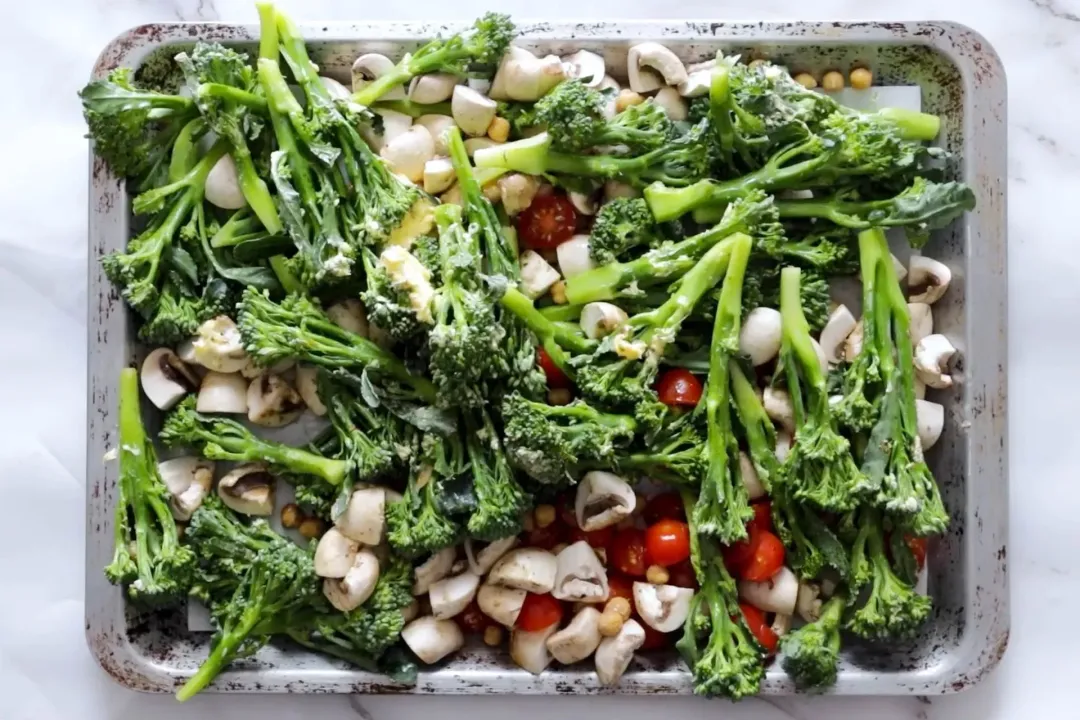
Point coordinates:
[(529, 569), (409, 152), (921, 321), (778, 407), (529, 648), (248, 489), (353, 590), (188, 480), (432, 88), (481, 561), (501, 604), (778, 594), (472, 111), (364, 518), (223, 393), (574, 256), (307, 384), (672, 103), (431, 639), (928, 279), (451, 595), (272, 401), (585, 66), (579, 639), (165, 378), (372, 66), (335, 554), (662, 607), (437, 125), (840, 325), (759, 337), (930, 420), (602, 500), (580, 576), (434, 568), (222, 187), (932, 357), (614, 654)]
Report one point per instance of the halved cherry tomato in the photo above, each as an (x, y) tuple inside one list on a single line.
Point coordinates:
[(668, 542), (738, 555), (621, 586), (654, 639), (539, 612), (917, 545), (627, 552), (665, 506), (755, 621), (762, 517), (556, 378), (548, 222), (682, 575), (545, 538), (472, 619), (767, 559), (678, 387), (596, 538)]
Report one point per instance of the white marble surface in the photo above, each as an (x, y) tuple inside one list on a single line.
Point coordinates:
[(46, 671)]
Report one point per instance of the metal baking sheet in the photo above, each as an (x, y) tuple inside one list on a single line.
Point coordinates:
[(962, 79)]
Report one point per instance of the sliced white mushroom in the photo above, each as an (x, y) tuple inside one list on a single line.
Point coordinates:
[(579, 575), (614, 189), (431, 640), (750, 479), (218, 345), (186, 352), (391, 125), (528, 649), (662, 607), (433, 569), (432, 88), (823, 362), (808, 602), (349, 315), (650, 66), (501, 604), (307, 384), (932, 356), (930, 420), (778, 594), (614, 654), (364, 518), (586, 66), (166, 379), (483, 557), (574, 256), (439, 175), (517, 190), (783, 444), (188, 480), (537, 275), (759, 337), (451, 595), (252, 371), (472, 111), (853, 343), (778, 407), (920, 389), (223, 393), (248, 489), (921, 321), (698, 79), (579, 639), (337, 90), (600, 319), (928, 279), (585, 204), (334, 554), (839, 326), (353, 590), (408, 153), (478, 144), (524, 77), (602, 500), (222, 187), (437, 125), (530, 569), (672, 103), (781, 624), (372, 66), (272, 401)]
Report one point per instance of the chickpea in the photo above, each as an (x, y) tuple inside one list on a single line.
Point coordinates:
[(291, 517), (558, 292), (620, 606), (492, 192), (657, 575), (493, 636), (559, 396), (626, 98), (609, 623), (861, 78), (807, 80), (544, 515), (311, 527), (832, 81), (499, 130)]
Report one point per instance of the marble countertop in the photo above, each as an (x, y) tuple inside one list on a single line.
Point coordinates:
[(46, 671)]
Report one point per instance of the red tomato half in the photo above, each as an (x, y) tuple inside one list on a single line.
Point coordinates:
[(679, 388), (668, 542), (665, 506), (621, 586), (556, 378), (755, 621), (917, 545), (545, 538), (548, 222), (627, 552), (539, 612), (597, 538), (767, 559), (738, 555), (682, 575)]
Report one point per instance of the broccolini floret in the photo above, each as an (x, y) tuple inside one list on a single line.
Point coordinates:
[(574, 117), (621, 225), (500, 500), (147, 557), (811, 653), (418, 524)]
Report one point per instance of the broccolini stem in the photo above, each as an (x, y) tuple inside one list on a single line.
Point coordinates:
[(282, 105), (222, 653), (132, 444), (912, 124), (547, 331), (412, 109), (268, 34), (233, 94), (797, 331), (561, 313), (756, 424), (289, 282), (185, 150)]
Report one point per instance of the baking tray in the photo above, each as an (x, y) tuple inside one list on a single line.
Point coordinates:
[(962, 80)]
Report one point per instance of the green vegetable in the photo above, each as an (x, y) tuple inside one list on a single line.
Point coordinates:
[(500, 500), (418, 524), (573, 115), (810, 653)]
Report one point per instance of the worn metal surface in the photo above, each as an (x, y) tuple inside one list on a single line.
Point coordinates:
[(962, 80)]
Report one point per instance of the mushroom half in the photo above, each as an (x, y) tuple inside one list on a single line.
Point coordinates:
[(272, 401), (166, 379), (364, 518), (223, 393), (431, 639), (650, 66), (433, 569), (927, 279), (579, 639), (759, 338), (602, 500), (778, 594), (483, 559), (663, 607), (529, 569), (335, 554), (370, 67), (353, 590), (450, 596), (614, 654), (501, 604), (932, 357), (579, 575), (248, 489), (529, 648), (188, 480)]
